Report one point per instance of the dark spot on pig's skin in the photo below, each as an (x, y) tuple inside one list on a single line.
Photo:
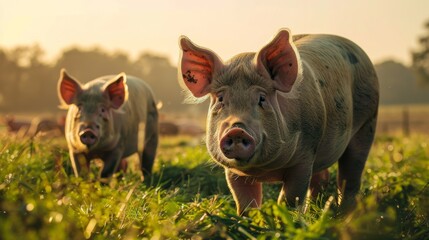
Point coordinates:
[(190, 78), (339, 103), (341, 109), (352, 58), (322, 82), (326, 66)]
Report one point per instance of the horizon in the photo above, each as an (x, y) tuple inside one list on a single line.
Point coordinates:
[(385, 30)]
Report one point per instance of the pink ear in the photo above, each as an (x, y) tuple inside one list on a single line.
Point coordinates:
[(197, 67), (117, 90), (68, 88), (279, 61)]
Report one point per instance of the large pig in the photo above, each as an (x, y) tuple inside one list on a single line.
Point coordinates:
[(109, 118), (286, 112)]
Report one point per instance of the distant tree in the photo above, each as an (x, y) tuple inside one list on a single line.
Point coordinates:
[(162, 77), (38, 83), (28, 84), (421, 57), (7, 74), (86, 65), (23, 79), (398, 84)]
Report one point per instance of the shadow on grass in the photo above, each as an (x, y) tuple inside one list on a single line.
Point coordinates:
[(202, 180)]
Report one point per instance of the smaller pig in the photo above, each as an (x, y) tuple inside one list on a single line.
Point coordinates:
[(109, 118)]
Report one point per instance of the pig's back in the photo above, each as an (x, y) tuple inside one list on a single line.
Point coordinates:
[(137, 116), (140, 98), (341, 69), (141, 115), (346, 80)]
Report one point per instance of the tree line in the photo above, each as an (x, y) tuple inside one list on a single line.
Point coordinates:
[(420, 57), (29, 84)]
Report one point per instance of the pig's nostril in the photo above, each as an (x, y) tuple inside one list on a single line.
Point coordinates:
[(88, 137), (237, 144)]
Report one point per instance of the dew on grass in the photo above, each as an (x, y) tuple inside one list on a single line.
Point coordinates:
[(30, 207)]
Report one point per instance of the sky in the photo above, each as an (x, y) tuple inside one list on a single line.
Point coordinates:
[(385, 29)]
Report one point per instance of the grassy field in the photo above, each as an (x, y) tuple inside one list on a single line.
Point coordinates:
[(187, 197)]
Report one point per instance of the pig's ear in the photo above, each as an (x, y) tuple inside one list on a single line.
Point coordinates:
[(197, 66), (279, 61), (68, 89), (117, 90)]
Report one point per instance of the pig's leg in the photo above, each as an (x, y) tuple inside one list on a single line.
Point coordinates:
[(352, 163), (246, 192), (111, 162), (295, 185), (319, 181), (79, 163), (149, 154)]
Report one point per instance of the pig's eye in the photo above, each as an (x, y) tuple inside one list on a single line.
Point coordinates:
[(261, 100), (220, 98), (102, 112), (219, 103)]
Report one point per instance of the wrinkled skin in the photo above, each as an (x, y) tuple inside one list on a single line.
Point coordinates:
[(109, 118), (286, 113)]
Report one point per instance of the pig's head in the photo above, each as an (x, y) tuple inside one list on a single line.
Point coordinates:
[(245, 126), (90, 123)]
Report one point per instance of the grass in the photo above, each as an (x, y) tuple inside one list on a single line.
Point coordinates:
[(187, 197)]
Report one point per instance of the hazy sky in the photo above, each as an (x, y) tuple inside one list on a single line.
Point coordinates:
[(383, 28)]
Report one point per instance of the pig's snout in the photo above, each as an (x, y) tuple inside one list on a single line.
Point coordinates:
[(237, 144), (88, 137)]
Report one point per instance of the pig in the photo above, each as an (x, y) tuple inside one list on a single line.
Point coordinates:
[(168, 128), (14, 126), (286, 113), (44, 125), (109, 118), (31, 128)]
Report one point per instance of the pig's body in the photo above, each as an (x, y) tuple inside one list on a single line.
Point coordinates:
[(131, 128), (326, 110), (318, 101)]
